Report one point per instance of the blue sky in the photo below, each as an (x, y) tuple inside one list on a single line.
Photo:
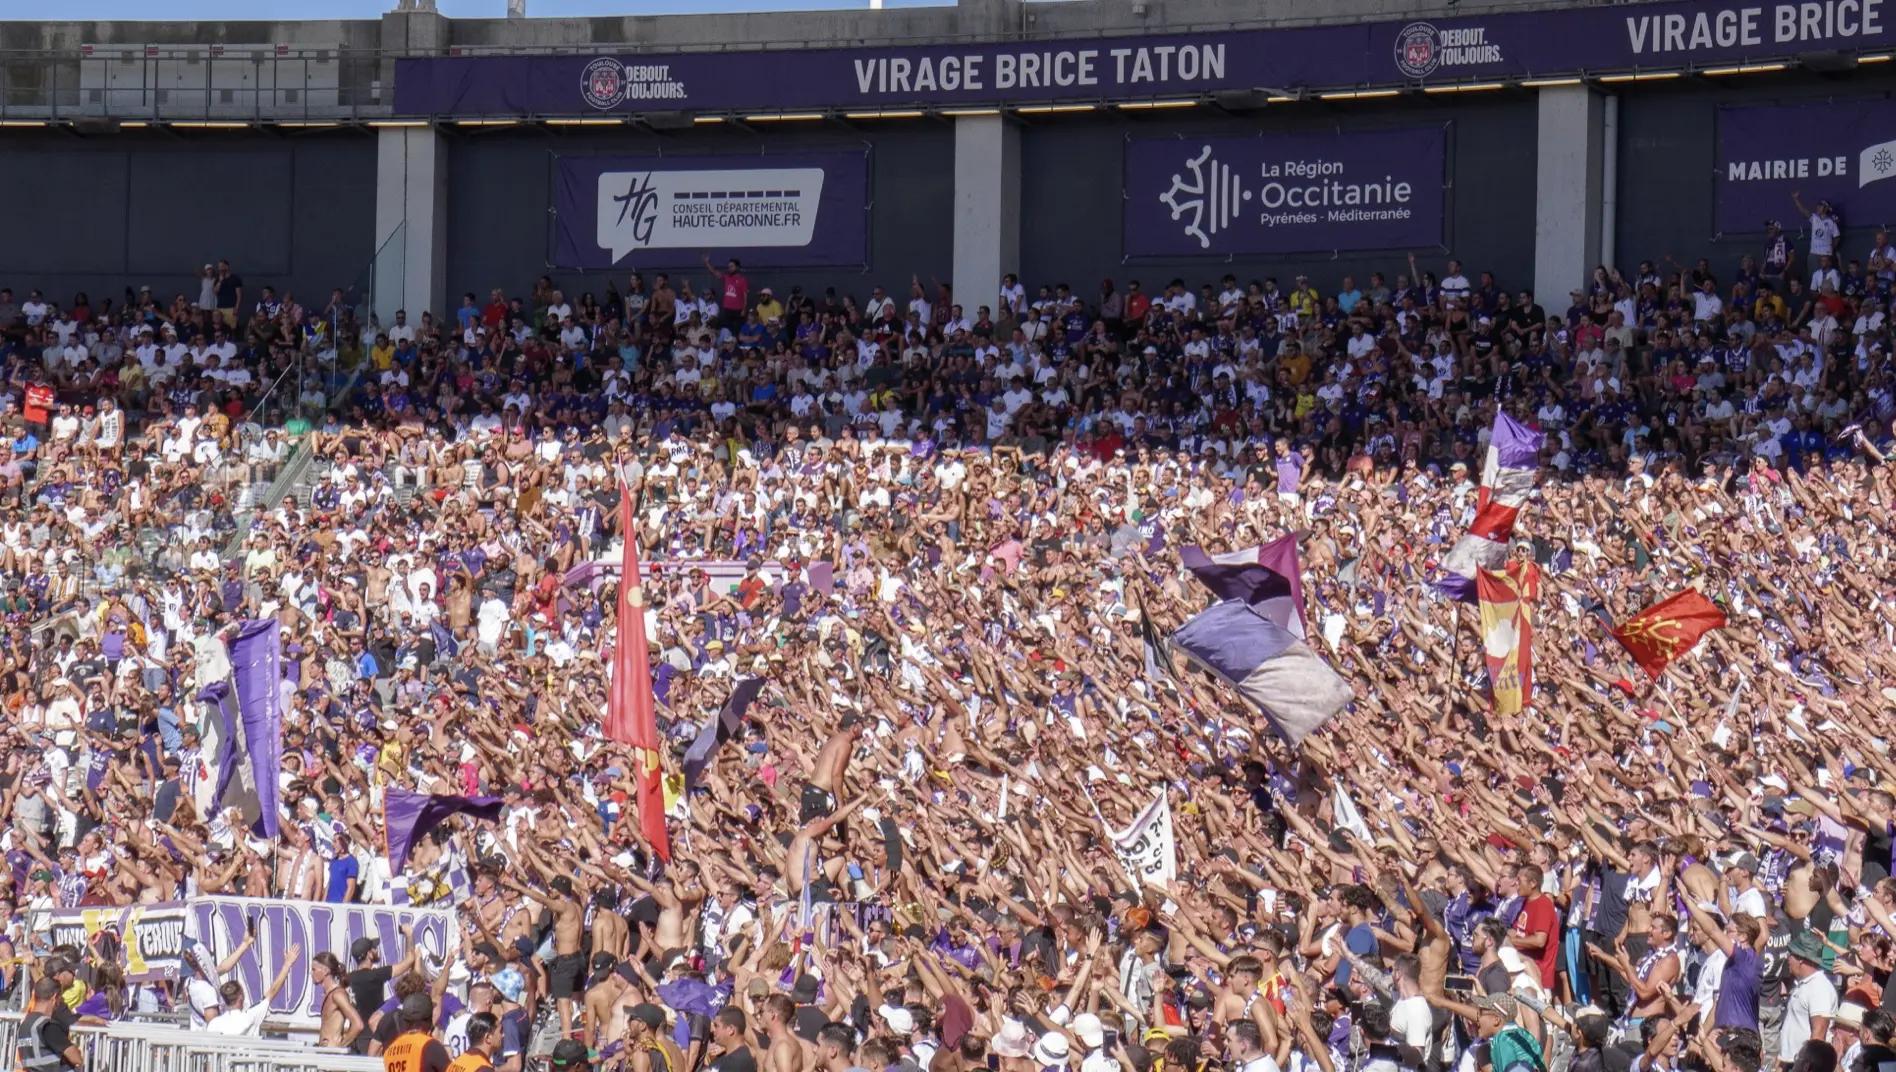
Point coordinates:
[(229, 10)]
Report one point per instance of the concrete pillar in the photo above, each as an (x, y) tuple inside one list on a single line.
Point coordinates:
[(1568, 191), (987, 208), (411, 233)]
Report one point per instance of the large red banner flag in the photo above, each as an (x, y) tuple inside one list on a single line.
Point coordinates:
[(1668, 629), (631, 717)]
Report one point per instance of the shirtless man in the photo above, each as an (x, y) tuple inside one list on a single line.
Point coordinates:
[(1653, 976), (341, 1023), (568, 923), (786, 1051), (801, 859), (608, 1001), (609, 931), (678, 903), (826, 774)]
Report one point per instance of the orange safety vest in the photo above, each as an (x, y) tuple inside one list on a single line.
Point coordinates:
[(404, 1054), (471, 1061)]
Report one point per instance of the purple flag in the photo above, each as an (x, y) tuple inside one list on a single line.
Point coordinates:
[(229, 753), (1267, 664), (1268, 578), (718, 730), (256, 660), (1508, 480), (408, 817)]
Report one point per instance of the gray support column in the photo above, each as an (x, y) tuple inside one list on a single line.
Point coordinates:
[(987, 208), (411, 234), (1569, 191)]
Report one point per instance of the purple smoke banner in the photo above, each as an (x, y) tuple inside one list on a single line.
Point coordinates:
[(256, 660), (778, 210), (1841, 151), (1541, 43), (1284, 193)]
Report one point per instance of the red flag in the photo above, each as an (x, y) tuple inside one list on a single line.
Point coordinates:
[(630, 715), (1668, 629), (1507, 633)]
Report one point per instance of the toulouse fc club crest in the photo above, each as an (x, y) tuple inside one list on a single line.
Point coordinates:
[(603, 83), (1418, 50)]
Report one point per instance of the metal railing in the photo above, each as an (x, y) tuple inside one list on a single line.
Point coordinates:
[(155, 1048)]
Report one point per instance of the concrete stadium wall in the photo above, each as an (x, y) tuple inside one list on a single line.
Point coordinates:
[(1071, 204), (1669, 162), (99, 214), (499, 191)]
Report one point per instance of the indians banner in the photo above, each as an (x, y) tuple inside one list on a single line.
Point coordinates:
[(146, 940), (1285, 193), (1589, 39), (220, 924)]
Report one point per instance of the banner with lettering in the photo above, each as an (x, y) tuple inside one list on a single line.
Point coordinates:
[(1593, 39), (1284, 193), (220, 924), (1146, 849), (771, 211), (1841, 151), (146, 940)]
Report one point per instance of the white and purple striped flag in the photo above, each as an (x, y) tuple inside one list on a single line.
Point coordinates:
[(1509, 477), (1274, 670), (1267, 577)]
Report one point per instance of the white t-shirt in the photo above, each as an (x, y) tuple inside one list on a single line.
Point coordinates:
[(1823, 235), (1411, 1020), (1812, 997), (203, 997), (240, 1021)]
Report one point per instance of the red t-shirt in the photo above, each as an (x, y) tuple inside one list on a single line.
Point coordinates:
[(737, 291), (39, 402), (1539, 916)]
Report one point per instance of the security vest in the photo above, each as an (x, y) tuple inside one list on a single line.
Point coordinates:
[(405, 1053), (471, 1061), (35, 1055)]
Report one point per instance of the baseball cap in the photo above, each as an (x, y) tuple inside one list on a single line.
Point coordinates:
[(569, 1053), (418, 1007), (1501, 1003), (360, 948)]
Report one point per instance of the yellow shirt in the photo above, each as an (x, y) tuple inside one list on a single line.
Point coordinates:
[(383, 356), (769, 309)]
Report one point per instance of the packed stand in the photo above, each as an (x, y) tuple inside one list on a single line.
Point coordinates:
[(958, 535)]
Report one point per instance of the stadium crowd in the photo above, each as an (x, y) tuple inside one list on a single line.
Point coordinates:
[(956, 532)]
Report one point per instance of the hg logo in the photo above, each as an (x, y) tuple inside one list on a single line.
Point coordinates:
[(639, 205), (1209, 201)]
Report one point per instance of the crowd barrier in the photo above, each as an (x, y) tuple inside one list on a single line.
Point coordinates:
[(136, 1047)]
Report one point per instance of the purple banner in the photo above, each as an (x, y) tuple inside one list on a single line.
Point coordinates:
[(409, 817), (1541, 43), (1770, 158), (256, 660), (772, 211), (1284, 193)]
